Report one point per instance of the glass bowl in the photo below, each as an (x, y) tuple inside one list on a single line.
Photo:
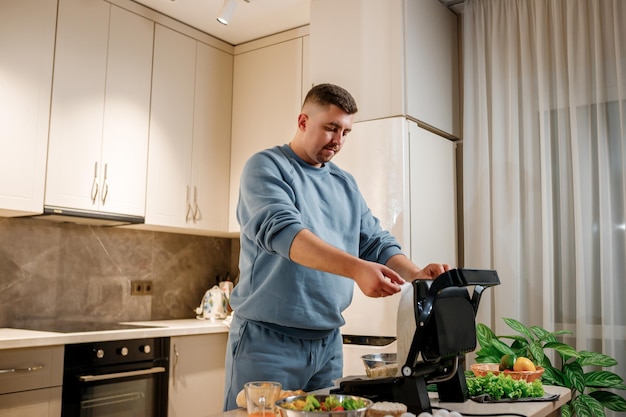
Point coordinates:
[(378, 365), (285, 411)]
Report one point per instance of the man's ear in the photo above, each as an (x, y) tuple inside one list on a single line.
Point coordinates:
[(302, 121)]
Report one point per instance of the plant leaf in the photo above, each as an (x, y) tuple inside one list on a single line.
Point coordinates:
[(501, 347), (565, 350), (536, 351), (488, 358), (484, 335), (566, 410), (593, 405), (576, 377), (542, 334), (580, 408), (595, 359), (519, 327), (602, 379), (553, 376), (516, 338), (609, 400)]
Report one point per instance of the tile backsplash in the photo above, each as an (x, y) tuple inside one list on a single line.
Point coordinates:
[(69, 271)]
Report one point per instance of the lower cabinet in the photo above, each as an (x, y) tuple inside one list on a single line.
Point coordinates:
[(30, 382), (197, 371), (37, 403)]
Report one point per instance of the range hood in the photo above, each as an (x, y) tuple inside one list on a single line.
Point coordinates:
[(91, 218)]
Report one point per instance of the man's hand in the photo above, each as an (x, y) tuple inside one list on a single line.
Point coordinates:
[(376, 280), (432, 271)]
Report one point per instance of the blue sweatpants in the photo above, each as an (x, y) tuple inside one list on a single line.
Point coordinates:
[(256, 353)]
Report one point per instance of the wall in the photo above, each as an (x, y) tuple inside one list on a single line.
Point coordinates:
[(70, 271)]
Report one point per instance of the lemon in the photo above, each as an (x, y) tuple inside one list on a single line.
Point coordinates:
[(507, 362), (524, 364)]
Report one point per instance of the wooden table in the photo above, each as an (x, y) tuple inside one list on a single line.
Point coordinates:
[(528, 409)]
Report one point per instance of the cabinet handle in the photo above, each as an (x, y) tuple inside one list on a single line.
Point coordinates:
[(94, 185), (196, 209), (188, 214), (21, 370), (175, 364), (105, 185)]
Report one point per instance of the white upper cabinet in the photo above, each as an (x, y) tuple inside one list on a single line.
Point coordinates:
[(268, 88), (400, 58), (26, 51), (189, 152), (100, 109)]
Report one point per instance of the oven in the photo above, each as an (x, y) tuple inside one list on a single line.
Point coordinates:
[(126, 378)]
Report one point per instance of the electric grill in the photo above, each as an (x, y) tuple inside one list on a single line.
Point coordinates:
[(445, 318)]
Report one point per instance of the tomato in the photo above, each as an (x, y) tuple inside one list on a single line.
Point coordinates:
[(338, 408)]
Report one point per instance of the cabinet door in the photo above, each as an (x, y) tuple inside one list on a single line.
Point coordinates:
[(376, 154), (197, 372), (100, 109), (169, 193), (26, 47), (39, 403), (432, 83), (126, 114), (77, 103), (403, 59), (432, 174), (211, 138), (267, 97)]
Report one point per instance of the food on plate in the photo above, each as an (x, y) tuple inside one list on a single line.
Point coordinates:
[(386, 408), (507, 362), (382, 371), (330, 403), (524, 364), (241, 397), (513, 363), (503, 386)]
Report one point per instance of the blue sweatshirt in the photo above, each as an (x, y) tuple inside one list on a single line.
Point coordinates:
[(280, 195)]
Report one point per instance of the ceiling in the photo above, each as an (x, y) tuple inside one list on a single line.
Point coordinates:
[(253, 19)]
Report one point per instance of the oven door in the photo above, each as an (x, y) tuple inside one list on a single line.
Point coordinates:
[(129, 393)]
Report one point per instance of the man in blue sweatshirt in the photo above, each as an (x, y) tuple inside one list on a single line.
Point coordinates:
[(307, 235)]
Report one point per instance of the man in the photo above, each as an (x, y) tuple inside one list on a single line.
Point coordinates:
[(306, 235)]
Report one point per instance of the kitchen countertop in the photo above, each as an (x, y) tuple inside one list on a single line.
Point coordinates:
[(19, 338), (528, 409)]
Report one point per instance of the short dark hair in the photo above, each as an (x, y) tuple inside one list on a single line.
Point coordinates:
[(326, 94)]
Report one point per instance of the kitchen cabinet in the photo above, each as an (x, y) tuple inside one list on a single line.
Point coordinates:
[(197, 372), (269, 83), (98, 148), (30, 382), (189, 152), (400, 58), (27, 30)]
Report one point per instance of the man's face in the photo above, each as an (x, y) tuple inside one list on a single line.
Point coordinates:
[(324, 132)]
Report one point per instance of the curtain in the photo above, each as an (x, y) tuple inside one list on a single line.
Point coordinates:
[(544, 165)]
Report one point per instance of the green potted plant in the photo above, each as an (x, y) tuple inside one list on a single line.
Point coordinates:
[(590, 395)]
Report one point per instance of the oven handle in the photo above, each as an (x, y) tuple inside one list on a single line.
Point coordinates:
[(91, 378)]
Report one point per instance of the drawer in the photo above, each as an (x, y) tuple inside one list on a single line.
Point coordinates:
[(30, 368), (41, 403)]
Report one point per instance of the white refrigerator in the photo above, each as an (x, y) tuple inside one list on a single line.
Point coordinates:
[(408, 177)]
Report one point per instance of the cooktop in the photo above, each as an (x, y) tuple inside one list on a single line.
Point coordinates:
[(72, 326)]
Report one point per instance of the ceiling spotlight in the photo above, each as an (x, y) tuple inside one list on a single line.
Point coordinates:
[(226, 12)]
